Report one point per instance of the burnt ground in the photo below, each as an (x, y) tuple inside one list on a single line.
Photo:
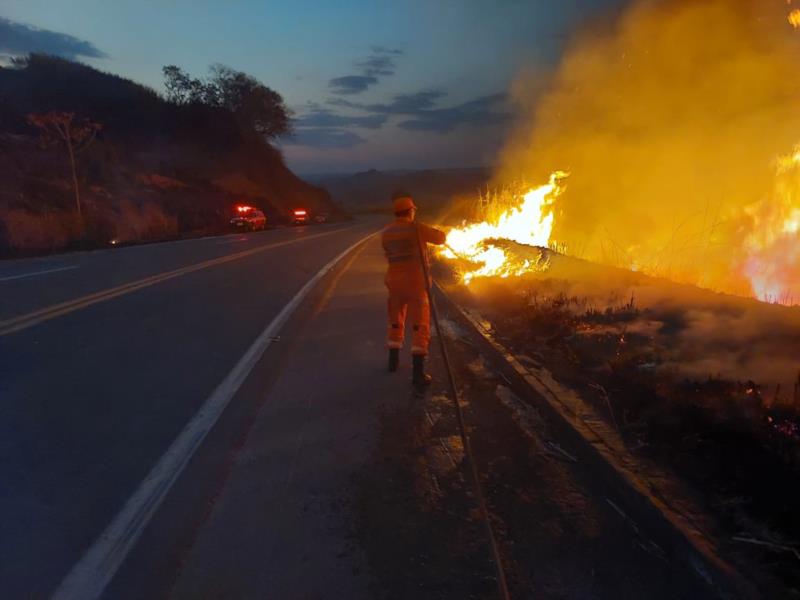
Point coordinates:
[(733, 441), (562, 532)]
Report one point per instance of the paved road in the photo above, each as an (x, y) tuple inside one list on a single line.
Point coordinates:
[(343, 483), (94, 392), (325, 477), (281, 524)]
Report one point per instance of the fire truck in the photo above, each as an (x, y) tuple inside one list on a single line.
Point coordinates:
[(299, 216), (248, 218)]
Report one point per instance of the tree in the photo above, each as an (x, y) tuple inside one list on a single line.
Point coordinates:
[(178, 84), (61, 127), (257, 108), (183, 89)]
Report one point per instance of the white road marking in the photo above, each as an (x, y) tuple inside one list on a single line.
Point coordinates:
[(89, 577), (37, 273)]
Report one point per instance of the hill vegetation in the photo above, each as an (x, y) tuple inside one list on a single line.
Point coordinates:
[(151, 167), (444, 195)]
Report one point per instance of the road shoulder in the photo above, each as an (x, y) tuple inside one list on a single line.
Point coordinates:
[(280, 524)]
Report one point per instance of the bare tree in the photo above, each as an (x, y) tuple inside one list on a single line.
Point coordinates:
[(61, 127)]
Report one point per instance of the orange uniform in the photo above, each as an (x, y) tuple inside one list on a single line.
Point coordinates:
[(405, 280)]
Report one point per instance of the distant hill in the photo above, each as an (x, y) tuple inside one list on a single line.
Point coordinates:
[(435, 190), (157, 169)]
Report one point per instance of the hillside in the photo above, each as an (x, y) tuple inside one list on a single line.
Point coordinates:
[(156, 169)]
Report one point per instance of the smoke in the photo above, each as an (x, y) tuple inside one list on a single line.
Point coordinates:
[(686, 330), (736, 344), (672, 122)]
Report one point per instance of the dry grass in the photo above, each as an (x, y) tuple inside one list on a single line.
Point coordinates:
[(686, 376), (31, 232)]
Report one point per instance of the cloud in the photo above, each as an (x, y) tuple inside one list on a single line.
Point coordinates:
[(402, 104), (388, 51), (411, 103), (483, 111), (351, 84), (325, 118), (421, 107), (325, 138), (320, 127), (378, 64), (18, 39)]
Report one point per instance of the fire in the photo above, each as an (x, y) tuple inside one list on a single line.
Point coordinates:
[(529, 223), (670, 123), (794, 18), (768, 257), (772, 247)]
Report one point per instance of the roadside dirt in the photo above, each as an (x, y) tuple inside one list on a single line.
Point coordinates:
[(733, 440), (562, 533)]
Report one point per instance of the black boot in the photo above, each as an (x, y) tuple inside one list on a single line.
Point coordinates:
[(419, 377), (394, 359)]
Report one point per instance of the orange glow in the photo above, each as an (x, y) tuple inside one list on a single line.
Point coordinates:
[(678, 126), (529, 222), (772, 248)]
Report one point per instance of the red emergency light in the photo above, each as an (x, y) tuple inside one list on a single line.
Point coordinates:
[(299, 212), (243, 208)]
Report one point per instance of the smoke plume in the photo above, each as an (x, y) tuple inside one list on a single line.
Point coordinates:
[(678, 125)]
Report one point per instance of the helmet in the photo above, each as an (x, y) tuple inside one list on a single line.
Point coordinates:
[(403, 204), (402, 201)]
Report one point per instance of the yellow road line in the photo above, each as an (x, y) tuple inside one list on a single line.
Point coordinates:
[(30, 319)]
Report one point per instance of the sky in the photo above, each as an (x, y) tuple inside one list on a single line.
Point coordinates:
[(402, 84)]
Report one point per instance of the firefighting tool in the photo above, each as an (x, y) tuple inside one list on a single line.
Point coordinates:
[(476, 482)]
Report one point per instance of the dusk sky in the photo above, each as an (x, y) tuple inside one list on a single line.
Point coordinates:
[(386, 85)]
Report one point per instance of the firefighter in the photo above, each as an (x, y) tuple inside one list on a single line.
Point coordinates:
[(407, 284)]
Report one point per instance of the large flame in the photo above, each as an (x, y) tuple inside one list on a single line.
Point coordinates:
[(770, 257), (670, 122), (529, 223), (772, 247)]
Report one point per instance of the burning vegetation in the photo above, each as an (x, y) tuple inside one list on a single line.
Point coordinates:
[(526, 220), (679, 126)]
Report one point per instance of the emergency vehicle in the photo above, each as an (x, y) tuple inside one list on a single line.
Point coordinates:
[(248, 218)]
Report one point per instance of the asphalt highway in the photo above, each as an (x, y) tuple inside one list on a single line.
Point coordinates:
[(213, 419), (104, 358)]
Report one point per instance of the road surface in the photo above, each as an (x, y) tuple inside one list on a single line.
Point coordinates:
[(324, 476), (91, 398)]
